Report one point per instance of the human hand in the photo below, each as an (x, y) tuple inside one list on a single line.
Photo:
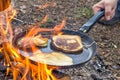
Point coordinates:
[(108, 5)]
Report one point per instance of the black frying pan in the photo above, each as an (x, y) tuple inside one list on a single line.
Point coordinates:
[(89, 49)]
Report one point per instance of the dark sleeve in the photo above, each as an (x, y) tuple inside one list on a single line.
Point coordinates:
[(118, 5)]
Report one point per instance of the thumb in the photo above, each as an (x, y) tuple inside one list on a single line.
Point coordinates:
[(98, 6)]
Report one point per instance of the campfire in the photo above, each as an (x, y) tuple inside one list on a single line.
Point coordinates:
[(18, 66), (18, 51)]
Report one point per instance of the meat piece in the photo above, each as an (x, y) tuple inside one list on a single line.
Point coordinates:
[(67, 43)]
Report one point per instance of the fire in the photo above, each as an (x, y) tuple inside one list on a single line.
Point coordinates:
[(21, 67), (48, 4), (4, 4)]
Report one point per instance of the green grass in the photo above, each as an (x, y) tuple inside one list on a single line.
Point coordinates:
[(84, 13)]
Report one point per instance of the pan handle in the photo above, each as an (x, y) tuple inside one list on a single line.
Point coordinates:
[(89, 24)]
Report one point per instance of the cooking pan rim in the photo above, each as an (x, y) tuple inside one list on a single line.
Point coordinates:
[(66, 66)]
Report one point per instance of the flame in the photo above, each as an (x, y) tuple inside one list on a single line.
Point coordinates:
[(48, 4), (21, 67), (4, 4)]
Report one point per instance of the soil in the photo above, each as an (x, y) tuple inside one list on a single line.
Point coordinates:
[(106, 37)]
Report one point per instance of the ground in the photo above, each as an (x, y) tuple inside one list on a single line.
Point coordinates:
[(77, 12)]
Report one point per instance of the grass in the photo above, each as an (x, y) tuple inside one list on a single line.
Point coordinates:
[(84, 13)]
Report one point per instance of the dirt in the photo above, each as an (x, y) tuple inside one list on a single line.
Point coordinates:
[(106, 37)]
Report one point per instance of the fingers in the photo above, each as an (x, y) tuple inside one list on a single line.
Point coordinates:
[(113, 13), (109, 11), (98, 6), (108, 5)]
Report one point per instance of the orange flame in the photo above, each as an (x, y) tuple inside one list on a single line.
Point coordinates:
[(21, 67), (48, 4), (4, 4)]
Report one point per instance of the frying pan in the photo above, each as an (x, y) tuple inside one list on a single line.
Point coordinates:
[(78, 58)]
